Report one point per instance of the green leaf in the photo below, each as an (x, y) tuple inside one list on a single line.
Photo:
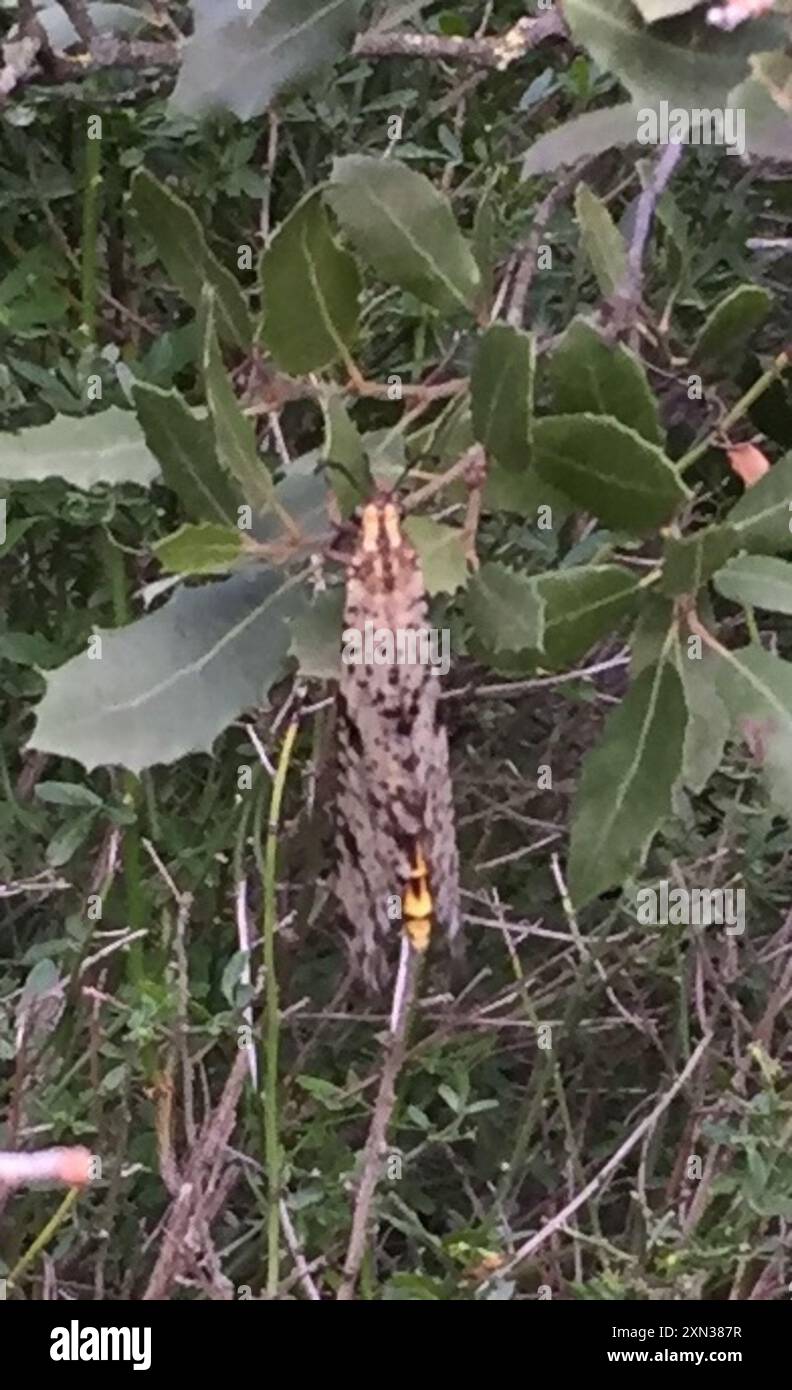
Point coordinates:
[(204, 549), (587, 374), (690, 561), (242, 62), (504, 609), (185, 448), (581, 606), (181, 246), (168, 684), (524, 493), (708, 719), (684, 62), (731, 323), (405, 229), (43, 978), (761, 581), (441, 551), (351, 481), (25, 649), (609, 470), (67, 794), (756, 688), (627, 783), (589, 134), (14, 531), (316, 637), (104, 448), (234, 432), (63, 846), (484, 227), (762, 518), (771, 414), (310, 290), (650, 635), (602, 240), (768, 128), (502, 394)]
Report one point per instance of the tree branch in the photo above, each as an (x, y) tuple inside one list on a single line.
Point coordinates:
[(396, 1051), (80, 20), (100, 51), (498, 51)]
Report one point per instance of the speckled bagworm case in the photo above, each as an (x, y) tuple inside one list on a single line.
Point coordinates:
[(397, 855)]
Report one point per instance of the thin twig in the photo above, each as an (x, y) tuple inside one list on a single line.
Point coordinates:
[(498, 51), (627, 297), (526, 260), (509, 688), (384, 1105), (272, 1041), (80, 20), (557, 1222)]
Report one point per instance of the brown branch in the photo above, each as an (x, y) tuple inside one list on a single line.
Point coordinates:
[(561, 1218), (384, 1106), (526, 261), (498, 51), (626, 301), (206, 1180), (80, 20)]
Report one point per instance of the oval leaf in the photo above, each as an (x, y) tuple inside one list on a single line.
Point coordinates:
[(310, 289), (502, 394), (731, 323), (104, 448), (762, 518), (181, 245), (204, 549), (405, 229), (241, 62), (627, 783), (602, 240), (587, 374), (186, 451), (170, 683), (609, 470), (761, 581)]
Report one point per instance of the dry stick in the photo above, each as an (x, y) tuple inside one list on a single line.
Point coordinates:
[(498, 51), (627, 297), (272, 1141), (561, 1218), (81, 22), (375, 1143), (300, 1264), (526, 261), (106, 50), (470, 459), (508, 688)]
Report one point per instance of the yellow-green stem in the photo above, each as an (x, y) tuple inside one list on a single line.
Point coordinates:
[(737, 411), (44, 1236), (272, 1042), (92, 182)]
